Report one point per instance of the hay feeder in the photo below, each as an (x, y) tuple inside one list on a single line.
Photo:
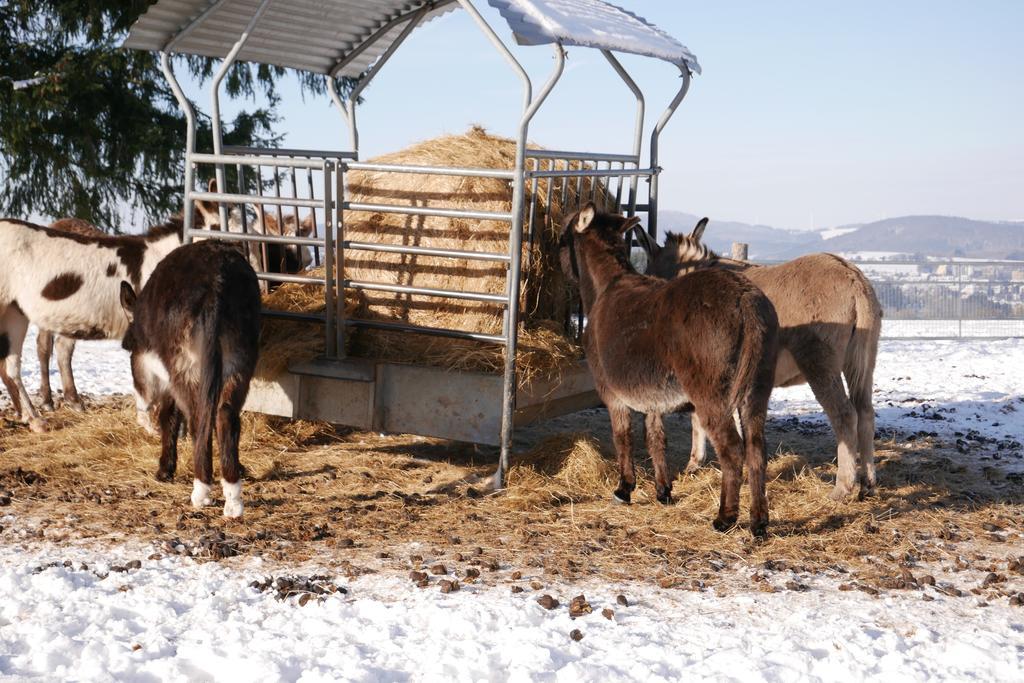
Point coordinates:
[(354, 39)]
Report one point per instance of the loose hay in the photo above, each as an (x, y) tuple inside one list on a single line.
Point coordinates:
[(309, 490), (545, 350)]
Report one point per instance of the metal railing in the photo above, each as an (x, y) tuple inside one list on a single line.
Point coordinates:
[(948, 299)]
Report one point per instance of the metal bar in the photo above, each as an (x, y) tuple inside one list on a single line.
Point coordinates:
[(424, 291), (652, 214), (248, 199), (638, 128), (430, 170), (229, 59), (292, 315), (315, 164), (433, 331), (294, 279), (335, 257), (364, 80), (257, 237), (427, 211), (260, 215), (287, 152), (188, 211), (588, 172), (515, 269), (331, 335), (315, 230), (580, 156), (240, 170), (426, 251), (346, 59), (332, 90), (502, 49)]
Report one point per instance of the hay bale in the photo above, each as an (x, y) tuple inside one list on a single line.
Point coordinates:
[(544, 350)]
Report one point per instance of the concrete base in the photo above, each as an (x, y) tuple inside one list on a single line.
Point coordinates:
[(414, 399)]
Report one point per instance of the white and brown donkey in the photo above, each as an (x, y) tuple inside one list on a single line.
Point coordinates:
[(68, 284), (829, 324)]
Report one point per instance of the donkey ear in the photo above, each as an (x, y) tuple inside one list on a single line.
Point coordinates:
[(629, 223), (586, 217), (647, 243), (128, 300), (698, 230), (209, 213)]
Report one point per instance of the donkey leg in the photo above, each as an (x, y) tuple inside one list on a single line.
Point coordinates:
[(757, 464), (65, 350), (14, 326), (623, 438), (655, 435), (44, 349), (202, 456), (861, 384), (729, 447), (832, 396), (698, 445), (170, 419), (229, 428)]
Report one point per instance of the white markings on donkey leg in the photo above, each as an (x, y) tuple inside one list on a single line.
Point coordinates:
[(232, 498), (200, 494)]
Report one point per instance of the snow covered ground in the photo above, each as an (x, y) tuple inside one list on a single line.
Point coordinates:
[(176, 619)]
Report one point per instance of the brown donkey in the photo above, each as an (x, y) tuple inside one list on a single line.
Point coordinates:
[(829, 323), (708, 339)]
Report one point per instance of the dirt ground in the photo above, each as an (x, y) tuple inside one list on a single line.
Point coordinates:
[(365, 502)]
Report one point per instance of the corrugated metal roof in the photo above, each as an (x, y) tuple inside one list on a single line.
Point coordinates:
[(320, 35), (591, 23), (312, 35)]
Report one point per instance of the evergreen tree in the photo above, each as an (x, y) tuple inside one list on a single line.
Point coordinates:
[(87, 127)]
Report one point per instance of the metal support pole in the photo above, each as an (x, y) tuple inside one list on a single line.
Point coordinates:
[(652, 213), (515, 271), (229, 59), (638, 128), (348, 108), (190, 141)]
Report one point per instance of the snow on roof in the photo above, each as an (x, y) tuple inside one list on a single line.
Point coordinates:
[(591, 23), (348, 36)]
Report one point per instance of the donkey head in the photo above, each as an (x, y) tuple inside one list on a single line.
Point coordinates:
[(605, 229), (681, 253), (146, 367)]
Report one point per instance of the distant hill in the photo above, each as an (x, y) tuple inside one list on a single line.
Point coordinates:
[(927, 235)]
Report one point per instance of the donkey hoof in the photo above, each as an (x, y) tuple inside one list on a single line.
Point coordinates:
[(37, 425), (47, 406), (233, 508), (759, 530), (200, 494), (842, 493), (621, 496), (665, 497), (691, 469), (723, 524), (75, 405), (163, 476)]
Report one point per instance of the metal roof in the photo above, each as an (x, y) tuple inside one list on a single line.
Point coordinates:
[(348, 36), (591, 23)]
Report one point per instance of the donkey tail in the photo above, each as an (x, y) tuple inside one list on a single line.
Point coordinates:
[(754, 374), (861, 352), (211, 374)]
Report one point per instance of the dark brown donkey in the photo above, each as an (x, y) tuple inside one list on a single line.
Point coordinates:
[(708, 339), (194, 338), (829, 324)]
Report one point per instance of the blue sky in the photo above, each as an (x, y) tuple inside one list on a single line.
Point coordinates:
[(807, 113)]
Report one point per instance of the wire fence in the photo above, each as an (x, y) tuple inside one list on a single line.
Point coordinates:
[(949, 299)]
